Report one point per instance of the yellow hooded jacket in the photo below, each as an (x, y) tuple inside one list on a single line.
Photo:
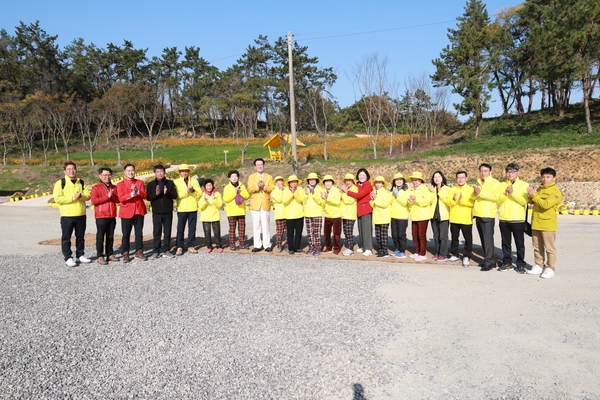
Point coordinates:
[(545, 208), (186, 201), (512, 207), (292, 201), (420, 210), (333, 203), (210, 207), (442, 199), (313, 203), (349, 204), (461, 209), (382, 210), (67, 206), (277, 200), (485, 204), (229, 193)]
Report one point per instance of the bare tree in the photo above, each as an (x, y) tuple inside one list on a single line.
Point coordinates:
[(148, 108), (370, 83)]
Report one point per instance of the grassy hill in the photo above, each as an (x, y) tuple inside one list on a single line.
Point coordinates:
[(534, 140)]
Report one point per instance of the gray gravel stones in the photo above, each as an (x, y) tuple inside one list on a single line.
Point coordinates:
[(198, 326)]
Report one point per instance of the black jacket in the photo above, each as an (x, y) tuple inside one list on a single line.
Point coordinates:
[(161, 203)]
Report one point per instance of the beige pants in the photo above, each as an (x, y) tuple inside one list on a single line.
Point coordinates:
[(543, 245)]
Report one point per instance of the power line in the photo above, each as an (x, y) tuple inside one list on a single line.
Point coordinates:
[(377, 31)]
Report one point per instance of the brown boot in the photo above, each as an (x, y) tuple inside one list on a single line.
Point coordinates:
[(102, 261), (125, 258), (139, 255), (113, 259), (192, 250)]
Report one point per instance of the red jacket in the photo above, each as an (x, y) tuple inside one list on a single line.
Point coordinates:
[(362, 198), (104, 206), (131, 205)]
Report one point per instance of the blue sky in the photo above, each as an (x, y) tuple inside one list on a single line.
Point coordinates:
[(339, 33)]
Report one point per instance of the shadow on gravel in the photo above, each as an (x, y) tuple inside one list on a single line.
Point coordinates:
[(359, 392)]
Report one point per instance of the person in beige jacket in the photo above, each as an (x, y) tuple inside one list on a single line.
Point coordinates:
[(260, 185)]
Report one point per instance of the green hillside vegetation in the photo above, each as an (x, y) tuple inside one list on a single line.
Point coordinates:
[(513, 134)]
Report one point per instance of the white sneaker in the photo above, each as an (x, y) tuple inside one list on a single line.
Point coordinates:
[(71, 263), (359, 250), (415, 255), (84, 260), (453, 259), (347, 252), (547, 274), (535, 270), (367, 253), (420, 258), (466, 262)]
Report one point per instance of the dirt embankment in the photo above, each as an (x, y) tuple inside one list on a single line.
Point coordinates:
[(578, 169)]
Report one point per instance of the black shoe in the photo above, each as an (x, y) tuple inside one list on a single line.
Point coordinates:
[(486, 268), (268, 249), (291, 252), (520, 269), (256, 249), (505, 267)]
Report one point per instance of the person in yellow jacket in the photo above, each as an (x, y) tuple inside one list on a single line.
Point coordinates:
[(235, 195), (440, 215), (293, 213), (349, 211), (419, 206), (210, 204), (333, 215), (512, 199), (277, 200), (544, 223), (260, 186), (460, 201), (485, 209), (381, 201), (313, 213), (399, 222), (188, 192), (71, 195)]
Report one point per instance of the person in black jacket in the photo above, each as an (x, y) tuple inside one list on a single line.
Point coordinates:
[(161, 194)]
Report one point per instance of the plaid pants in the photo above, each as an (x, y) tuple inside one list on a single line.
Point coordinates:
[(280, 229), (381, 234), (348, 225), (240, 221), (313, 231)]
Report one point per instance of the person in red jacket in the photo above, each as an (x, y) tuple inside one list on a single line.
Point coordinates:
[(364, 211), (132, 193), (104, 198)]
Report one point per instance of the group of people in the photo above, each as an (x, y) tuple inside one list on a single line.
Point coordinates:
[(325, 207)]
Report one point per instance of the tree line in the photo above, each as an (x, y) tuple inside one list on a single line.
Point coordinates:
[(540, 47), (50, 97)]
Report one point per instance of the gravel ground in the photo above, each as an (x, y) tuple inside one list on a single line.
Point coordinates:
[(267, 326), (199, 326)]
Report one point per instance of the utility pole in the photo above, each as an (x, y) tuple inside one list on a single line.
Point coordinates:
[(292, 103)]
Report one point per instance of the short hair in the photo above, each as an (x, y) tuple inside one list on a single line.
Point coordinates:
[(488, 166), (233, 171), (365, 171), (548, 171), (444, 181), (102, 169), (128, 165), (159, 166), (67, 163), (462, 172), (512, 165), (257, 160), (207, 181)]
